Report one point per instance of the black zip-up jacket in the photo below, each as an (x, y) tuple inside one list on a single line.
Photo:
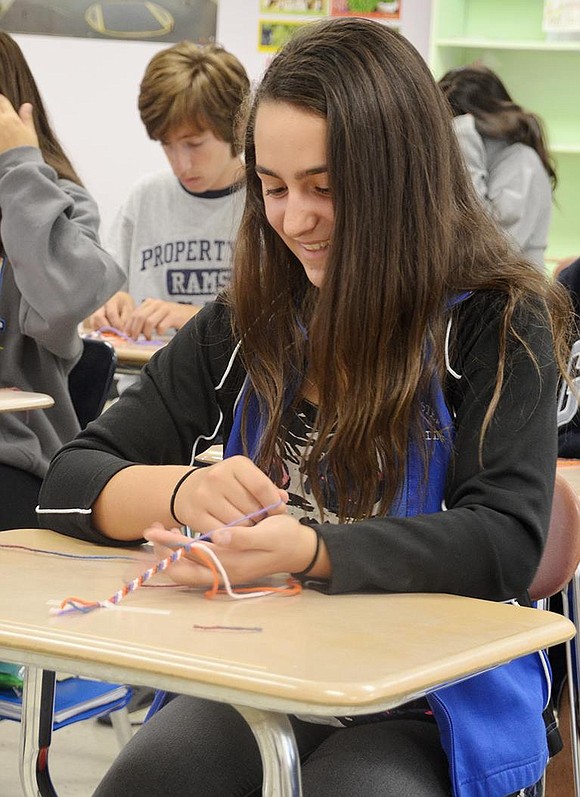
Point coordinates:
[(486, 544)]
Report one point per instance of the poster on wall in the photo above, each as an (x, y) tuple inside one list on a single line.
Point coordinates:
[(163, 20), (273, 32), (389, 10), (561, 16), (314, 8)]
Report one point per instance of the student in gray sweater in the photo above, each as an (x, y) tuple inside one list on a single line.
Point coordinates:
[(505, 151), (53, 274)]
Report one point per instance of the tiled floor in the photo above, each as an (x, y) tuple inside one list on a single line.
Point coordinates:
[(80, 754)]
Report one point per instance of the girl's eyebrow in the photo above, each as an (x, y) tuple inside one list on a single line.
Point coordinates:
[(299, 175)]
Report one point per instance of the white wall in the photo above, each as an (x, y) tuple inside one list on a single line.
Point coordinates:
[(90, 89)]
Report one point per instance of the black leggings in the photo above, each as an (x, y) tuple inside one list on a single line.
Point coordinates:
[(18, 498), (198, 747)]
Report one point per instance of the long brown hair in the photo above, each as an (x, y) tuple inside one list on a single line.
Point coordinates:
[(477, 90), (19, 86), (408, 234)]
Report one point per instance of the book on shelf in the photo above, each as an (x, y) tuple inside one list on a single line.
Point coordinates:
[(561, 16), (73, 696)]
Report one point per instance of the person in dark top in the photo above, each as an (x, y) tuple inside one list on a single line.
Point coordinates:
[(569, 433), (383, 372)]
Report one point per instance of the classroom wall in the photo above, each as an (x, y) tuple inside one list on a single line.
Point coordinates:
[(90, 89)]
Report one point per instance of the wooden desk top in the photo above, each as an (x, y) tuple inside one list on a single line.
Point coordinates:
[(135, 353), (21, 400), (210, 456), (312, 653)]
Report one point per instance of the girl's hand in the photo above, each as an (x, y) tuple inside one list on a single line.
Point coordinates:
[(226, 492), (275, 545), (16, 129)]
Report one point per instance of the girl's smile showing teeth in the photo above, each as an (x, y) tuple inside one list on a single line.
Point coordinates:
[(316, 247)]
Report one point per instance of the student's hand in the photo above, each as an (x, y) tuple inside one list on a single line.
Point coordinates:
[(114, 313), (16, 129), (225, 492), (275, 545), (156, 316)]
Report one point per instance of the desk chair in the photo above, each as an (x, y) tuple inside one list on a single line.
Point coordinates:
[(90, 380), (559, 573)]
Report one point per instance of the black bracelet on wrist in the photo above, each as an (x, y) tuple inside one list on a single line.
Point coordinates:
[(174, 496), (312, 562)]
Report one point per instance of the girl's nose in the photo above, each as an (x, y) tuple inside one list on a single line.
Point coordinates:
[(299, 218)]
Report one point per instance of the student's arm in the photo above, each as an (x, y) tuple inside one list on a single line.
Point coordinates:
[(117, 477), (207, 499), (50, 234), (473, 151), (512, 184), (519, 194)]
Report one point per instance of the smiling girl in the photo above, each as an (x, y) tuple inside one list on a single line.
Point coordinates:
[(382, 354)]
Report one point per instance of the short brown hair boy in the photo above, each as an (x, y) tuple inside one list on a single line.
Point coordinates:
[(191, 84)]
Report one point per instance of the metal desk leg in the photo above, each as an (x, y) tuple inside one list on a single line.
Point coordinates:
[(278, 750), (36, 732)]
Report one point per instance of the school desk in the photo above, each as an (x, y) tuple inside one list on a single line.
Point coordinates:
[(21, 400), (268, 657), (210, 456), (131, 353)]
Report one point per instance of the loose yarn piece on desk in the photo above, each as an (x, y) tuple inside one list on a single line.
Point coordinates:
[(86, 557), (203, 549)]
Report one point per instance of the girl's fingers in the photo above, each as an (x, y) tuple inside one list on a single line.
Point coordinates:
[(159, 535), (234, 491), (188, 570)]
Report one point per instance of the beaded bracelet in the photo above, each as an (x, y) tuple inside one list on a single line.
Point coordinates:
[(174, 496), (312, 562)]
